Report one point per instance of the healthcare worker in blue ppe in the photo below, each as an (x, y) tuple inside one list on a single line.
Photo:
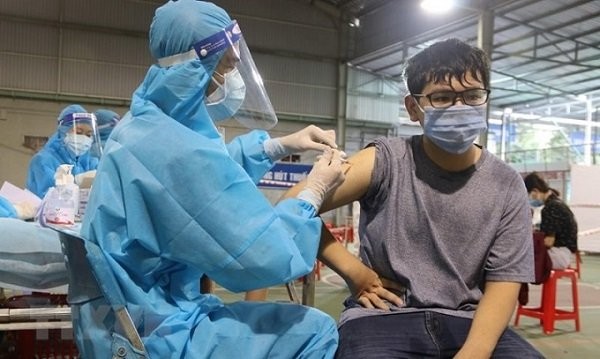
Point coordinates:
[(172, 202), (106, 120), (71, 144)]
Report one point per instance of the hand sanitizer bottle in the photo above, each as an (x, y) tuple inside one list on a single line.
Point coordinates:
[(63, 202)]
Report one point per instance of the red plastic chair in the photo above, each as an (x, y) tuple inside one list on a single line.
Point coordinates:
[(577, 264), (547, 312)]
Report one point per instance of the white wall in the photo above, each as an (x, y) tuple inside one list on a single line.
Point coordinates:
[(585, 182)]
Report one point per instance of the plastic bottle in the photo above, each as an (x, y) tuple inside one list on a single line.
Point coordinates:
[(63, 201)]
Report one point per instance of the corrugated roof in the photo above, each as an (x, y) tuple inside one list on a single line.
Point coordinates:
[(545, 53)]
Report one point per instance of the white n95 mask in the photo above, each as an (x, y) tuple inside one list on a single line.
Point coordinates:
[(227, 99), (78, 144)]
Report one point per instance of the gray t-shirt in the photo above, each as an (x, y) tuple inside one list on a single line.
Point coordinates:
[(442, 234)]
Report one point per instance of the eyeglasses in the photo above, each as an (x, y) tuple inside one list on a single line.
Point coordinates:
[(445, 99)]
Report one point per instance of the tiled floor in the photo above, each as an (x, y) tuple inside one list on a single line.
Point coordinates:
[(563, 343)]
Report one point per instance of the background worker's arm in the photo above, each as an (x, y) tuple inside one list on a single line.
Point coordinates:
[(549, 240), (491, 319), (363, 282)]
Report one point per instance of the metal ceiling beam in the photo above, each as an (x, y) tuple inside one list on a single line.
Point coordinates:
[(535, 48), (548, 59), (564, 75), (532, 82), (595, 30), (578, 63), (571, 95), (550, 29), (576, 106), (548, 70), (540, 16), (495, 88), (371, 8), (458, 25)]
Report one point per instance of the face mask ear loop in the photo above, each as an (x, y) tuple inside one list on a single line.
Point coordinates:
[(217, 83), (219, 86), (416, 100), (214, 80)]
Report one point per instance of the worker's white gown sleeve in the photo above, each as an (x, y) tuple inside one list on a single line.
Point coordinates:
[(172, 202)]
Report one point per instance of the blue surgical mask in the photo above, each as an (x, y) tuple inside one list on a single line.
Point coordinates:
[(536, 203), (454, 129), (227, 99), (78, 144)]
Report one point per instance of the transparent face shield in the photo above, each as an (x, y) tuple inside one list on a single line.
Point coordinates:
[(236, 89), (81, 134)]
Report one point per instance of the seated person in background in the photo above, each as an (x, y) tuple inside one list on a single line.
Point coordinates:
[(69, 145), (558, 222), (441, 217)]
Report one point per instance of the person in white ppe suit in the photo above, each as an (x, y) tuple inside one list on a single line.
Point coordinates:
[(172, 202)]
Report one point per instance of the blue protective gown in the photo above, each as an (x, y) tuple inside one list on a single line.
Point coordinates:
[(172, 202), (43, 164)]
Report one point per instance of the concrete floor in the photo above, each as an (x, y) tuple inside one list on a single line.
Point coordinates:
[(563, 343)]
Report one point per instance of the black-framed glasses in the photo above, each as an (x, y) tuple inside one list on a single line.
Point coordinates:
[(445, 99)]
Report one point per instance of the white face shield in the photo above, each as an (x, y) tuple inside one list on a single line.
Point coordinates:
[(80, 133), (236, 89)]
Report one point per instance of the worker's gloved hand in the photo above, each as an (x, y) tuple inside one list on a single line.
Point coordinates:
[(85, 179), (327, 174), (309, 138), (25, 210)]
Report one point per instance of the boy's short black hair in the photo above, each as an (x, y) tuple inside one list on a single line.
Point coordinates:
[(444, 60)]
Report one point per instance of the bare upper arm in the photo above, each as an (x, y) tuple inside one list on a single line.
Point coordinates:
[(358, 177)]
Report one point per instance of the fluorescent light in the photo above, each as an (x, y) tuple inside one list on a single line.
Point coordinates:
[(437, 6), (354, 22)]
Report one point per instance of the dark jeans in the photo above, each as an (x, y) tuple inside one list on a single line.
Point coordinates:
[(419, 335)]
